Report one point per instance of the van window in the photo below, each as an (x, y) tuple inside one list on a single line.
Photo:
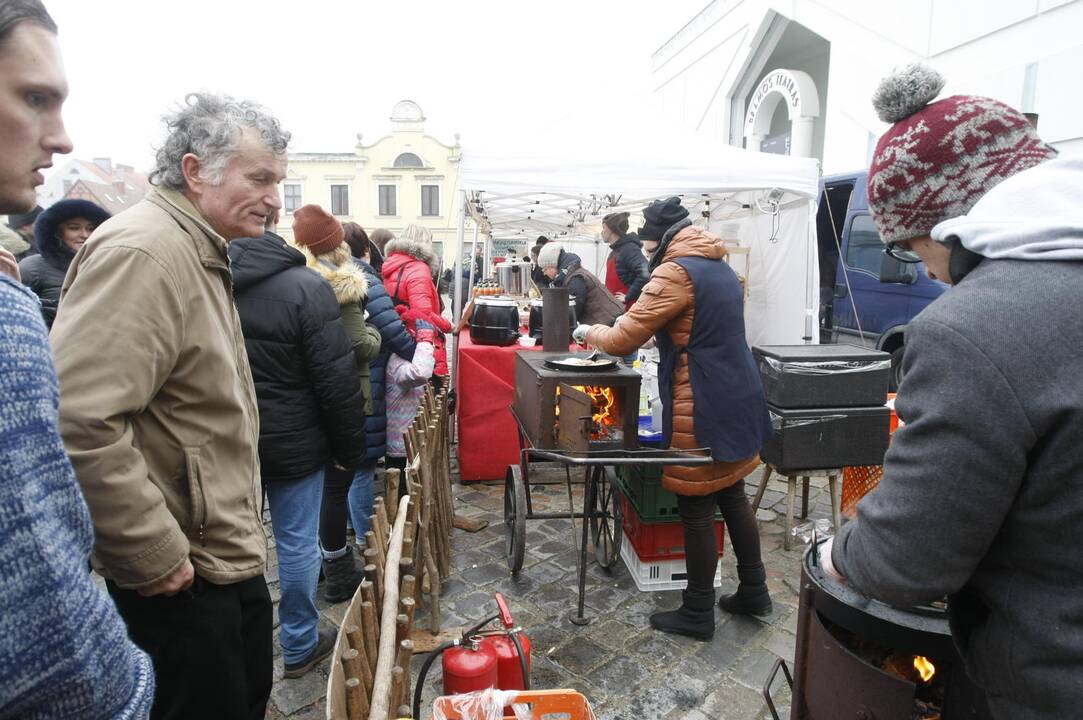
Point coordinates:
[(864, 250)]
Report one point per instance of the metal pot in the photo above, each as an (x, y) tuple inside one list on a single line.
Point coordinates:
[(495, 321), (514, 277), (535, 323)]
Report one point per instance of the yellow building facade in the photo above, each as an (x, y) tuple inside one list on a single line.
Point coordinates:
[(404, 178)]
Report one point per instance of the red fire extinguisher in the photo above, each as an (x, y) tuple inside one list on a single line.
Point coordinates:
[(482, 658)]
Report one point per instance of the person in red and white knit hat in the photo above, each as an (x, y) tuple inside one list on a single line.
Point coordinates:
[(981, 497)]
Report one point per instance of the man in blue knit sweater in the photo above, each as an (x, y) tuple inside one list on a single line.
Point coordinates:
[(64, 651)]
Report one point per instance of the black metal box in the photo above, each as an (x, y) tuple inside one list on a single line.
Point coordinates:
[(827, 437), (817, 376), (537, 397)]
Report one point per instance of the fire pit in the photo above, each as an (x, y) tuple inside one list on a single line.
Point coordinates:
[(860, 658)]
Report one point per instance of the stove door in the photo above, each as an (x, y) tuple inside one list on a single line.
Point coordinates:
[(574, 419), (839, 685)]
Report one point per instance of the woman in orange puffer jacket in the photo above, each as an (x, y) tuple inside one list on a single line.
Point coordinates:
[(693, 305)]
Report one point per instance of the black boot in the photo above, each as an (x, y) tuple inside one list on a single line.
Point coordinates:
[(751, 597), (343, 577), (694, 618)]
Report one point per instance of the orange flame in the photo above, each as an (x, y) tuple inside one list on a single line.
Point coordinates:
[(602, 399), (925, 668)]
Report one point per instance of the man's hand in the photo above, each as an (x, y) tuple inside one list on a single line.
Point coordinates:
[(180, 579), (8, 265), (620, 297), (580, 334)]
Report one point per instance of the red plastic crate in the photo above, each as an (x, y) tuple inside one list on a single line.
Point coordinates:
[(659, 540)]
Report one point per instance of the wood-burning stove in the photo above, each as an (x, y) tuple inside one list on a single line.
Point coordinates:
[(860, 659), (576, 410)]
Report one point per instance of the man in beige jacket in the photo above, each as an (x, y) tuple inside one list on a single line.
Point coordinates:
[(158, 410)]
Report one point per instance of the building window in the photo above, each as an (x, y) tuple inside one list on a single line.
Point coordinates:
[(408, 160), (340, 200), (430, 200), (292, 195), (864, 251), (388, 205)]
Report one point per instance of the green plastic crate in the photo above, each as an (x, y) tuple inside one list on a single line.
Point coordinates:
[(642, 485)]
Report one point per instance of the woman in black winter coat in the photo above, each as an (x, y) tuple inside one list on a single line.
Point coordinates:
[(394, 339), (60, 231)]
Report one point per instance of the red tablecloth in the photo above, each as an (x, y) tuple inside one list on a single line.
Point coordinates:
[(488, 438)]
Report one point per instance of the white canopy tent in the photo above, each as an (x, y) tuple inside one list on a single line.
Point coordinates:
[(562, 184)]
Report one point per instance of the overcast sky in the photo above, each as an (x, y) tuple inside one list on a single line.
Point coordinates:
[(331, 69)]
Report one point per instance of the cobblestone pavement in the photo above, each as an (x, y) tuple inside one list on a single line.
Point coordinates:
[(627, 670)]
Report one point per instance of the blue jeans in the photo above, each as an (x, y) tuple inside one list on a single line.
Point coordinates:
[(295, 519), (360, 498)]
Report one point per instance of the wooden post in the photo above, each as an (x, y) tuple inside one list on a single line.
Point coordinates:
[(398, 679), (375, 527), (352, 666), (371, 631), (378, 558), (357, 642), (357, 707), (368, 593), (408, 583), (406, 607), (392, 482), (402, 627), (402, 660), (383, 677)]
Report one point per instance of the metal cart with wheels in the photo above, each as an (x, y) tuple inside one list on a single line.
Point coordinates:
[(601, 514)]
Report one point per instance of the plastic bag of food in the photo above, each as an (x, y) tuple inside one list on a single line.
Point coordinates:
[(481, 705)]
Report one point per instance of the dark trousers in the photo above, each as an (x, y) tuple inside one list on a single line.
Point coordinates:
[(211, 647), (700, 544), (333, 507)]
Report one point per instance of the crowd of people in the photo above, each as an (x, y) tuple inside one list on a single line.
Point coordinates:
[(166, 369), (201, 364)]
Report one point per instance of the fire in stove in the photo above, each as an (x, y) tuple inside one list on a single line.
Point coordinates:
[(604, 419), (925, 668), (588, 415)]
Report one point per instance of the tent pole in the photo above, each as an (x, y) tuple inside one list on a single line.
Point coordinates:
[(456, 302), (473, 255), (811, 286)]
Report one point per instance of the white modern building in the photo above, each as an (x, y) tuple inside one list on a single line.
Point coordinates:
[(796, 77)]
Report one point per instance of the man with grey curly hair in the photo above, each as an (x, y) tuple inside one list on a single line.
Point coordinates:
[(159, 414)]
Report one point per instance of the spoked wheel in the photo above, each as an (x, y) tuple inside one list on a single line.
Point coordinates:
[(605, 518), (514, 517)]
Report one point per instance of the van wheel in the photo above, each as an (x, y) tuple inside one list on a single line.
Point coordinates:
[(896, 369)]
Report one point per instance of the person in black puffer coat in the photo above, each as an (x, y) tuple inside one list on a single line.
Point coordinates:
[(394, 339), (59, 231), (311, 410), (626, 268)]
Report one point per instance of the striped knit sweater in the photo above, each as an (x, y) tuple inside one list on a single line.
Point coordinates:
[(64, 650)]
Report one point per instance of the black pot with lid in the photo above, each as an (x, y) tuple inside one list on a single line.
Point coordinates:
[(535, 324), (495, 321)]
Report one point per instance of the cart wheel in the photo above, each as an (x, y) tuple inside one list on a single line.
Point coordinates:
[(514, 517), (605, 519)]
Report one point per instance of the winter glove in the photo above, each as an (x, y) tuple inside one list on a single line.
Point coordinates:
[(425, 331), (580, 334)]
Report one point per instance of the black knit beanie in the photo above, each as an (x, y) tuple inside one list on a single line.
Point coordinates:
[(660, 216)]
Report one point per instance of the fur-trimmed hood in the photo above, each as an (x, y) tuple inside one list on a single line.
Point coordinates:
[(345, 278), (415, 249)]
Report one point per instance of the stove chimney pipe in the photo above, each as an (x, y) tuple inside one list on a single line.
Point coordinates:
[(555, 328)]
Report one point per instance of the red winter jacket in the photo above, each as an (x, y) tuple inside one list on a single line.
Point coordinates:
[(409, 282)]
